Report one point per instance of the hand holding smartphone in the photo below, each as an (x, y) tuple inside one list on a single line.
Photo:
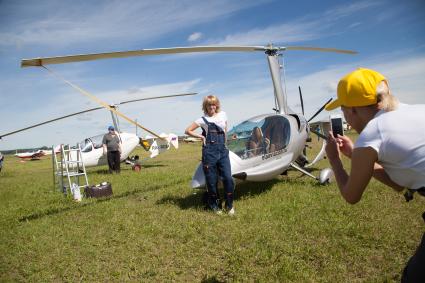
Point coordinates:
[(337, 126)]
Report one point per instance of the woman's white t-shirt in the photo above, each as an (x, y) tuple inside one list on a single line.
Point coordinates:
[(399, 139), (220, 119)]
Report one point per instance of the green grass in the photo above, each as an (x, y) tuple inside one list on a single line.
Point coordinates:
[(154, 228)]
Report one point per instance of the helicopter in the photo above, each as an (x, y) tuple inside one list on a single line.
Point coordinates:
[(286, 131), (92, 148)]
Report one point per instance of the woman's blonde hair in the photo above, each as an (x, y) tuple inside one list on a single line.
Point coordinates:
[(385, 100), (210, 99)]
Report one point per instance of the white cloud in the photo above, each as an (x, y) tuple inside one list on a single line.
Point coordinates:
[(109, 21), (306, 28), (195, 36), (404, 75)]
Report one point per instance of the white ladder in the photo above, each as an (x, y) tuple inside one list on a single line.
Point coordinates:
[(69, 166)]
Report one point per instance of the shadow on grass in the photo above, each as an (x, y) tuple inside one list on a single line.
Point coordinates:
[(125, 168), (211, 280), (195, 200), (93, 201)]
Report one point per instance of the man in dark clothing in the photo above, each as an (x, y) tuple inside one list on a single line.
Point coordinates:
[(112, 147)]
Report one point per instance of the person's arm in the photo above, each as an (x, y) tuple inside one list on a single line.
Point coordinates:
[(104, 145), (362, 167), (346, 147), (191, 132)]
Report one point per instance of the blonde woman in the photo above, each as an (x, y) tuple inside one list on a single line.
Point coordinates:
[(215, 155), (390, 146)]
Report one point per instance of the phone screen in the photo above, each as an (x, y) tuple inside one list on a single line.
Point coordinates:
[(337, 127)]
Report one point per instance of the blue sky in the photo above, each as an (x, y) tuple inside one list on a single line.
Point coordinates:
[(389, 36)]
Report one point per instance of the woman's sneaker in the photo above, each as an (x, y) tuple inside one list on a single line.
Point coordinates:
[(231, 212), (217, 210)]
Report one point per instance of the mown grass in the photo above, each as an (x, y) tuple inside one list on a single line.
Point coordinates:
[(154, 228)]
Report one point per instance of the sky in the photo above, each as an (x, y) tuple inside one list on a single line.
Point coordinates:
[(389, 36)]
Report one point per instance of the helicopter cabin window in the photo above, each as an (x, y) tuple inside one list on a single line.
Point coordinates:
[(254, 137), (91, 143), (86, 145), (97, 141)]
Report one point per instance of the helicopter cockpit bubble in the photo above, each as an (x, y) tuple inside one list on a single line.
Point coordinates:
[(86, 145), (97, 141), (278, 130), (259, 136)]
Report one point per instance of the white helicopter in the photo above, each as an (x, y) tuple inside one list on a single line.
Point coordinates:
[(286, 131), (92, 149)]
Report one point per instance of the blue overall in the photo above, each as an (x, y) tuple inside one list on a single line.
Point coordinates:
[(216, 162)]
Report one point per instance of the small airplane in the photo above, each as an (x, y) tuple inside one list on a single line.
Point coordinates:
[(191, 140), (36, 155), (33, 155), (284, 132), (92, 149)]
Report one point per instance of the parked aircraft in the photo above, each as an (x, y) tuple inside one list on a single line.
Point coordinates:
[(91, 148)]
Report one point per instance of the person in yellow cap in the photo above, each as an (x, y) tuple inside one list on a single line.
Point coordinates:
[(390, 146)]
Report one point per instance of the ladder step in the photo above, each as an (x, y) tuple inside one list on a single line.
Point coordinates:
[(66, 168), (70, 174)]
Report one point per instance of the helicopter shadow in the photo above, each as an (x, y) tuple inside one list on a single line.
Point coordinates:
[(197, 199)]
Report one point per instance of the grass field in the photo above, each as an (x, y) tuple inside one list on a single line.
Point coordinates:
[(154, 228)]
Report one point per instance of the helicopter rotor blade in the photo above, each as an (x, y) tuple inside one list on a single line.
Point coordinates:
[(301, 99), (37, 62), (308, 48), (320, 110), (89, 110), (157, 97), (49, 121), (141, 52)]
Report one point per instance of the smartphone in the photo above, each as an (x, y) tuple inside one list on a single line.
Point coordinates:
[(337, 126)]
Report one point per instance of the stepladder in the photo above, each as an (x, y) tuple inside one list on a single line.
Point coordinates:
[(69, 172)]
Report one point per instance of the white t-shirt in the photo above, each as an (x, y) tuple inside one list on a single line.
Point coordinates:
[(219, 119), (399, 139)]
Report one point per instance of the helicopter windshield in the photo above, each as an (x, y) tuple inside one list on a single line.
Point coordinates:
[(86, 145), (94, 142), (257, 137)]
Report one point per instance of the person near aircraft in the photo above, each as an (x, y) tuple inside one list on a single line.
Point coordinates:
[(382, 149), (1, 161), (215, 155), (257, 143), (112, 149)]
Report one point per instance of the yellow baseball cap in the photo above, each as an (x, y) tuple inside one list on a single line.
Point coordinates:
[(358, 88)]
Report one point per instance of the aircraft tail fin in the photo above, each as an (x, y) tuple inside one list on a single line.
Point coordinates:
[(174, 140), (158, 146)]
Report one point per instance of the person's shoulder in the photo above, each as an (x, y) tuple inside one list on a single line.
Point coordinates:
[(222, 115), (199, 121)]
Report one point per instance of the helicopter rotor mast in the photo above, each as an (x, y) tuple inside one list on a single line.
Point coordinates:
[(273, 60)]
